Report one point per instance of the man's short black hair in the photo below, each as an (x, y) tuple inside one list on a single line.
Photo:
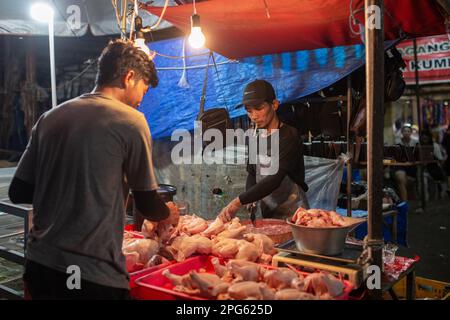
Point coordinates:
[(118, 58)]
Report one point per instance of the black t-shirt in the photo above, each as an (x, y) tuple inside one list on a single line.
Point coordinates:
[(290, 163)]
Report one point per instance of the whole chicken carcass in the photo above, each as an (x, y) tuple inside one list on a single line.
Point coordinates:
[(225, 248), (280, 278), (216, 227), (146, 248), (250, 290), (236, 233), (235, 223), (185, 246), (219, 269), (149, 229), (321, 284), (262, 241), (202, 284), (293, 294), (247, 251), (177, 280), (209, 285), (191, 225), (242, 270), (132, 261)]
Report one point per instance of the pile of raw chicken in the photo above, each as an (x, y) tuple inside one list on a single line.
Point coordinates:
[(180, 237), (244, 280), (317, 218), (242, 277)]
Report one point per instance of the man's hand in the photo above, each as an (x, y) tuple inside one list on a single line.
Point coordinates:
[(229, 212)]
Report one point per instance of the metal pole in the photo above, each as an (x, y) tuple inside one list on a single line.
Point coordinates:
[(374, 40), (349, 147), (420, 119), (51, 38)]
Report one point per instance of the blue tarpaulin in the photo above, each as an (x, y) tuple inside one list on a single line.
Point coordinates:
[(174, 104)]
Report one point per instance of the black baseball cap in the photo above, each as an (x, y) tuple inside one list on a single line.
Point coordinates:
[(257, 92)]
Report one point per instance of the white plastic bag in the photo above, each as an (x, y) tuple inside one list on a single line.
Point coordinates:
[(323, 177)]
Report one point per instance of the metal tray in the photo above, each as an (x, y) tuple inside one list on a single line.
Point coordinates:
[(349, 256)]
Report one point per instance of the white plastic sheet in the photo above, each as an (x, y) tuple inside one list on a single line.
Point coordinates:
[(324, 177)]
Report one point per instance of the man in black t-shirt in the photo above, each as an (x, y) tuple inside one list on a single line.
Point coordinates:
[(279, 193)]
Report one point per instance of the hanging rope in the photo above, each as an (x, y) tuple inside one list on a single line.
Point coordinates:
[(156, 25), (181, 57), (183, 83), (198, 66)]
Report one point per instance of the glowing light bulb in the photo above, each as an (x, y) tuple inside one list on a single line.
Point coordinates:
[(41, 12), (196, 38), (140, 43)]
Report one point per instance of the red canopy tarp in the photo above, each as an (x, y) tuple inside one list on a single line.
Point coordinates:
[(241, 28)]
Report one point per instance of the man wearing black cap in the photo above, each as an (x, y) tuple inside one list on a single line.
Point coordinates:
[(279, 194)]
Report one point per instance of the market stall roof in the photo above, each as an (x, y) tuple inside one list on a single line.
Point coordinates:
[(243, 28), (98, 16)]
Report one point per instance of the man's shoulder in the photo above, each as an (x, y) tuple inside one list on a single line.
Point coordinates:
[(289, 132)]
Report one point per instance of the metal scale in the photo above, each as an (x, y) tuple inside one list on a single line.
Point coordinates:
[(344, 265)]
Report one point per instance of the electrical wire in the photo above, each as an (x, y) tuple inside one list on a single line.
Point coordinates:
[(135, 12), (65, 83), (118, 18)]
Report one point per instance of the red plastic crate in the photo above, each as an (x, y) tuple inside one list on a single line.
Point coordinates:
[(155, 286), (134, 289)]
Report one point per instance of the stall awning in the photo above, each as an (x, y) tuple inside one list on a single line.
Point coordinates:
[(243, 28), (72, 18), (174, 103)]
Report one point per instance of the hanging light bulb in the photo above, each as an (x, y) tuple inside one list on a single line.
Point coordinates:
[(196, 38)]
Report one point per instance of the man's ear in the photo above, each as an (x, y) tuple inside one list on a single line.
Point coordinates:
[(275, 104), (128, 79)]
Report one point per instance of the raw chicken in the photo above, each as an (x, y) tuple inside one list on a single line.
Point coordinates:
[(235, 233), (178, 280), (146, 248), (242, 270), (219, 269), (262, 241), (162, 230), (132, 261), (225, 248), (265, 259), (293, 294), (317, 218), (191, 225), (149, 229), (174, 216), (247, 251), (235, 223), (210, 285), (321, 284), (280, 278), (184, 246), (216, 227), (250, 290)]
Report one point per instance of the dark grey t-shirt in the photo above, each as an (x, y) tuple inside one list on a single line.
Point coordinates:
[(82, 158)]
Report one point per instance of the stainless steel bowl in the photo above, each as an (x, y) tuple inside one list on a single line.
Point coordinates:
[(328, 241)]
